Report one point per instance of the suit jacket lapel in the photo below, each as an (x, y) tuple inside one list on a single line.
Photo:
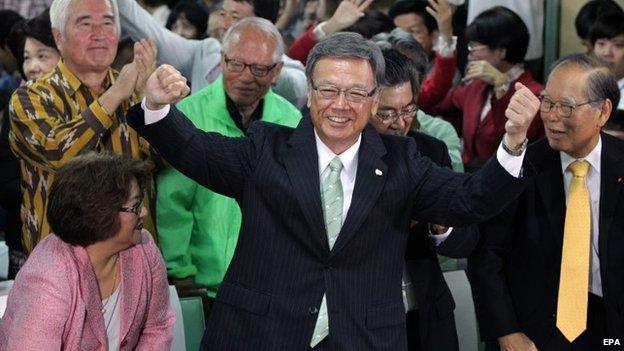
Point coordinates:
[(301, 163), (611, 183), (549, 183), (91, 295), (369, 181)]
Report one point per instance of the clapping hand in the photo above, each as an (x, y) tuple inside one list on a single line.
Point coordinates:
[(145, 59), (165, 86)]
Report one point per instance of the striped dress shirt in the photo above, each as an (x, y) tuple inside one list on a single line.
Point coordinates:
[(54, 119)]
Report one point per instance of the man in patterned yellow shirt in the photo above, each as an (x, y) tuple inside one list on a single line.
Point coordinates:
[(80, 106)]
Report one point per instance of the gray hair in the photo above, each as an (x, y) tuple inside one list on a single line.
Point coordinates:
[(404, 42), (348, 45), (601, 83), (259, 25), (59, 14)]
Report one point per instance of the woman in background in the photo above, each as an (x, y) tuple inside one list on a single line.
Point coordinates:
[(98, 281), (33, 46)]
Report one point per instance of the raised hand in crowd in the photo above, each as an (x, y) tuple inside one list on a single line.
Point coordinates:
[(516, 342), (484, 71), (165, 86), (521, 110), (289, 12), (347, 13), (121, 90), (145, 52), (443, 11)]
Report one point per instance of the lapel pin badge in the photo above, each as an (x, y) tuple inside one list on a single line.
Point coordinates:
[(378, 172), (620, 180)]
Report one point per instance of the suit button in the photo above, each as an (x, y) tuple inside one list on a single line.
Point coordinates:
[(313, 310)]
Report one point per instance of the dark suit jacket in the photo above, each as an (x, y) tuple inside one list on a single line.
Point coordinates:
[(282, 265), (514, 272), (435, 303)]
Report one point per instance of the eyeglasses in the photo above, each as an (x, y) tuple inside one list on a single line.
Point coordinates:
[(390, 116), (331, 92), (563, 109), (238, 66), (136, 208)]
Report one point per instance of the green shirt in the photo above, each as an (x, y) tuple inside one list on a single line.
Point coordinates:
[(443, 130), (197, 228)]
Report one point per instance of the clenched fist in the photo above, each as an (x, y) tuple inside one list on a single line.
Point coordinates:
[(165, 86)]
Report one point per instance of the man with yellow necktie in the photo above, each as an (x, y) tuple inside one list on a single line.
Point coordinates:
[(548, 273)]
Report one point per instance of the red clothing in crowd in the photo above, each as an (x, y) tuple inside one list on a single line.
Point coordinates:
[(482, 137)]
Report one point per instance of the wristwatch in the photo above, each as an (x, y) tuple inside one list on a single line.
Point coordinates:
[(517, 151)]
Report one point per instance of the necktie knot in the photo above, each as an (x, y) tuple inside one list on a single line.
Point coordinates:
[(579, 168), (335, 165)]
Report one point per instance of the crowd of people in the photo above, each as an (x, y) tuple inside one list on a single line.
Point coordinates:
[(303, 164)]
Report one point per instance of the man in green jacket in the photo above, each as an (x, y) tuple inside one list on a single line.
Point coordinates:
[(197, 228)]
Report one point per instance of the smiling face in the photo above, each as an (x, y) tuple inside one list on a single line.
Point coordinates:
[(89, 43), (338, 122), (253, 48), (578, 134), (39, 58), (395, 100)]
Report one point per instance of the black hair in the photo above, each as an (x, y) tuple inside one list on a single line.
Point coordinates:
[(194, 12), (500, 28), (7, 19), (589, 13), (267, 9), (417, 7), (608, 26), (87, 194), (37, 28), (400, 69), (373, 22)]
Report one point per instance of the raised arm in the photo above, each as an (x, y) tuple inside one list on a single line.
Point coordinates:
[(172, 48), (219, 163), (44, 130)]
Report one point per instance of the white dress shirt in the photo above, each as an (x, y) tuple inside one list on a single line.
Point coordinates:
[(593, 186), (349, 160)]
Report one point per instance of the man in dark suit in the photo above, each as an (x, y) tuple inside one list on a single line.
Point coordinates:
[(548, 275), (430, 322), (325, 206)]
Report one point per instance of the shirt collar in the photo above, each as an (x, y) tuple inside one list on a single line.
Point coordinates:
[(593, 158), (73, 83), (348, 158)]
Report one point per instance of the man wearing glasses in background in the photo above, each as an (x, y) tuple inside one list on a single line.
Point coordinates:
[(430, 326), (197, 228), (548, 272)]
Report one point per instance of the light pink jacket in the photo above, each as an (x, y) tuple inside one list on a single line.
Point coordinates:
[(55, 302)]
